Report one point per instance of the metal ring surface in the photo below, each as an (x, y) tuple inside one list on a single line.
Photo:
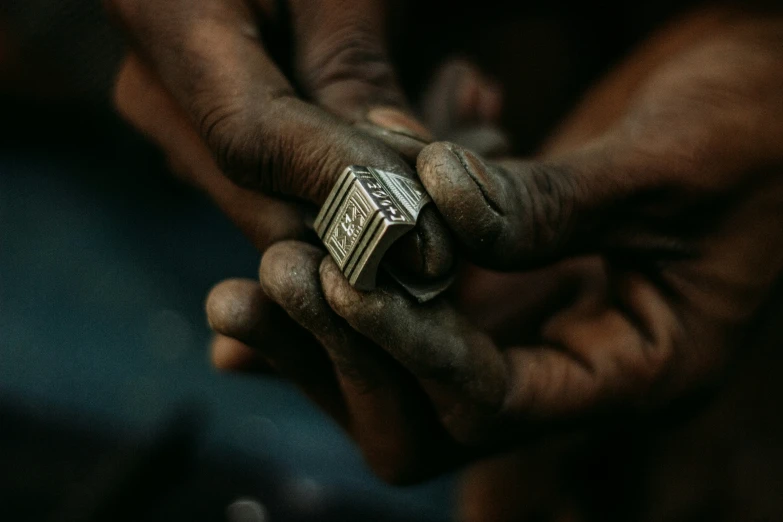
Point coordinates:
[(366, 212)]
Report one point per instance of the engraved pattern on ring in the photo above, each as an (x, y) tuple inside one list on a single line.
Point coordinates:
[(408, 192), (381, 197), (348, 225), (366, 211)]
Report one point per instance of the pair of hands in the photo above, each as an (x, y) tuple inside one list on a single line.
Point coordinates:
[(615, 272)]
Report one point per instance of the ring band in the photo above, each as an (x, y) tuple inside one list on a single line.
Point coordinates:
[(367, 210)]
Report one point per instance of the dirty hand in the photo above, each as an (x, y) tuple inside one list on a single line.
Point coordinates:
[(263, 107), (670, 217)]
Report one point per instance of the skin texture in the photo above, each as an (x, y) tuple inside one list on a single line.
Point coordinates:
[(202, 82), (411, 431), (628, 261)]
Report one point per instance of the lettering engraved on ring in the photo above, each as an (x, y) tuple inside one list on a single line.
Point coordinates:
[(367, 210)]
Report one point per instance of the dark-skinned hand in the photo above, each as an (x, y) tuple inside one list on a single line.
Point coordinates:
[(262, 104), (634, 252)]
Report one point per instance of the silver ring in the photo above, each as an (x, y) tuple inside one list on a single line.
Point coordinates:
[(367, 210)]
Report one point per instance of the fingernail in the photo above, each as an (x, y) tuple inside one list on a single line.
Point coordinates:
[(394, 120), (472, 165), (477, 170)]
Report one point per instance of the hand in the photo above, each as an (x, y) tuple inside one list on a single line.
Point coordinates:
[(255, 335), (205, 84), (671, 205)]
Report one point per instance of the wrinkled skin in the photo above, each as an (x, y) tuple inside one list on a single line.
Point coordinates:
[(267, 134), (628, 260)]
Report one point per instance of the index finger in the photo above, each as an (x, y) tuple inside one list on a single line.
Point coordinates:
[(209, 55), (210, 58)]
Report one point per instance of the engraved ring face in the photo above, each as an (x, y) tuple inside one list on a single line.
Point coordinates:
[(367, 210)]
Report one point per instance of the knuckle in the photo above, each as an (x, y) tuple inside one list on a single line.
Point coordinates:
[(316, 167), (255, 147), (225, 131), (247, 150), (299, 166)]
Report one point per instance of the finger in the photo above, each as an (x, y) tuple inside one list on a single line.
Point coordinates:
[(460, 96), (389, 417), (590, 357), (514, 216), (228, 354), (344, 66), (464, 107), (459, 367), (628, 184), (209, 56), (143, 101), (519, 214), (239, 309), (596, 356)]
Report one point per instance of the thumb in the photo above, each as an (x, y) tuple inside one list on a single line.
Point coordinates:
[(525, 213)]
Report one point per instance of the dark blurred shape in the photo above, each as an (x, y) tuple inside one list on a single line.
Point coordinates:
[(57, 48), (54, 473), (132, 482)]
